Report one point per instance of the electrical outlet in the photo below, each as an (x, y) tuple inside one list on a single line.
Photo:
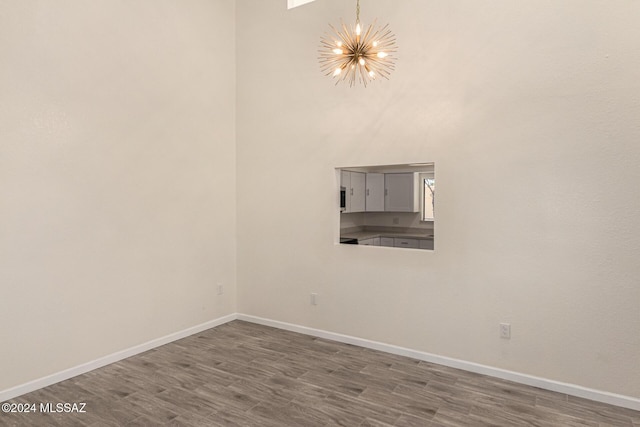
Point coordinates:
[(314, 299), (505, 330), (220, 289)]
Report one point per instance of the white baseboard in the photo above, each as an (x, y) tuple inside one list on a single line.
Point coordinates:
[(111, 358), (547, 384)]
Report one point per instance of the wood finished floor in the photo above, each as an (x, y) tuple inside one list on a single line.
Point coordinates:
[(242, 374)]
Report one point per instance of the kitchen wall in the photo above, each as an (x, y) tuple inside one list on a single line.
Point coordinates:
[(117, 176), (530, 111), (350, 220), (404, 219), (384, 219)]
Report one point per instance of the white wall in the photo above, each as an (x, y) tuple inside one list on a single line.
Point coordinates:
[(117, 176), (529, 110)]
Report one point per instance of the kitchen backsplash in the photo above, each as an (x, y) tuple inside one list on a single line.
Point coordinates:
[(383, 219)]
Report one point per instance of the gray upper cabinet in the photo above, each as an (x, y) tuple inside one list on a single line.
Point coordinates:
[(380, 192), (400, 192), (375, 192), (354, 184)]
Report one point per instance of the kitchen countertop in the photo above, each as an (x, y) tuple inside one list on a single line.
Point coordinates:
[(407, 233)]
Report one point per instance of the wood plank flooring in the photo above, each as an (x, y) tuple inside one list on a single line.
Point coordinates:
[(242, 374)]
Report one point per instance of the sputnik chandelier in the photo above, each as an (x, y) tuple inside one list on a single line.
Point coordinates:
[(349, 54)]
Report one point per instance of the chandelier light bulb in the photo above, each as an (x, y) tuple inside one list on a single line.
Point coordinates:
[(362, 52)]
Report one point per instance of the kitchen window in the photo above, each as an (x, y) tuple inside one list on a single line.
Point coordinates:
[(428, 199)]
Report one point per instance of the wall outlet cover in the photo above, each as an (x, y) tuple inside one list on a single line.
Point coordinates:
[(505, 330)]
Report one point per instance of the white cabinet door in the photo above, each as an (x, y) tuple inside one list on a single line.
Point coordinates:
[(357, 191), (400, 192), (354, 184), (405, 243), (345, 179), (386, 241), (374, 241), (375, 192)]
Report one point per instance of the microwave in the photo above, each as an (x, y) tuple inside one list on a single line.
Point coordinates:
[(343, 199)]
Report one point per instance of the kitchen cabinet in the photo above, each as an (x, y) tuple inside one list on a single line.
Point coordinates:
[(405, 243), (380, 192), (374, 241), (401, 192), (386, 241), (398, 242), (354, 184), (374, 192)]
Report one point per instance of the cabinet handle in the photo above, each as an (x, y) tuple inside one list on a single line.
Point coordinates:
[(386, 192), (352, 192), (367, 191)]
